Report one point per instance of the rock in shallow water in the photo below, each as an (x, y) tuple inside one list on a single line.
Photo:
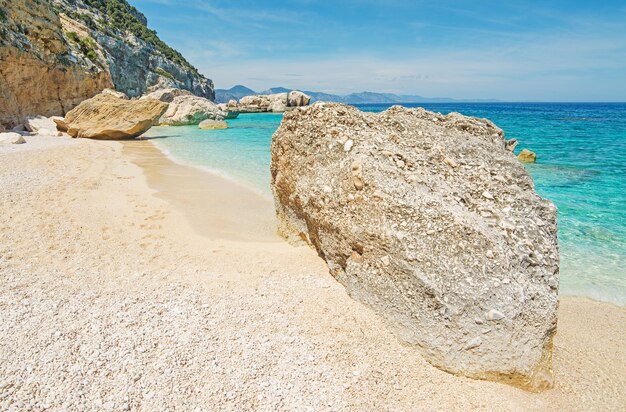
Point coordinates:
[(190, 110), (213, 125), (527, 156), (403, 223)]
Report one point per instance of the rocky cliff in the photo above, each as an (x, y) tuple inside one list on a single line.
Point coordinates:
[(39, 71), (54, 54)]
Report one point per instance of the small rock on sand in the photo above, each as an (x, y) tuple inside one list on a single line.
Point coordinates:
[(11, 138)]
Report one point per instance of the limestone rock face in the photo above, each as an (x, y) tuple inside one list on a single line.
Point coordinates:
[(430, 221), (137, 61), (39, 72), (55, 54), (110, 118), (213, 125), (166, 95), (115, 93), (527, 156), (11, 138), (190, 110)]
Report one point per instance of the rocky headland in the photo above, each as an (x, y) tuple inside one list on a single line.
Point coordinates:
[(264, 103), (73, 49), (432, 222)]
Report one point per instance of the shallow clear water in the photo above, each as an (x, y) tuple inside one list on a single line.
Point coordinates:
[(581, 150), (241, 152)]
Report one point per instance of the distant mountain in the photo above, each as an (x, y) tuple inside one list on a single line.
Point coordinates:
[(276, 90), (234, 93), (237, 92), (384, 98)]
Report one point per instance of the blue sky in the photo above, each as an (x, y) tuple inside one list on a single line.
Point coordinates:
[(507, 49)]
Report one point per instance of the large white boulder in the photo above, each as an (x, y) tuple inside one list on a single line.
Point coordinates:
[(190, 110), (277, 106), (297, 99), (109, 117), (35, 123), (429, 220)]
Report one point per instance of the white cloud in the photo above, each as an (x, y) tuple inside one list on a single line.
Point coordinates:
[(561, 67)]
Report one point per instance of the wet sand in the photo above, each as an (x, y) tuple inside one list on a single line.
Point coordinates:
[(217, 208)]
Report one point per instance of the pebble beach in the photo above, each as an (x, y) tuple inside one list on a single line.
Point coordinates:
[(113, 297)]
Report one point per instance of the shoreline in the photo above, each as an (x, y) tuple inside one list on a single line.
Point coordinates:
[(217, 206), (205, 169), (107, 286), (240, 186)]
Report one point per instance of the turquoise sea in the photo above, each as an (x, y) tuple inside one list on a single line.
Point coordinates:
[(581, 167)]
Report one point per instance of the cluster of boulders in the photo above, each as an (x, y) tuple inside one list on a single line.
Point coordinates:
[(186, 109), (263, 103), (112, 115), (32, 126), (431, 221)]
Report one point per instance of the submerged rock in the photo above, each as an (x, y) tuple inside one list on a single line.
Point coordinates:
[(190, 110), (429, 220), (106, 116), (527, 156), (213, 125), (231, 114)]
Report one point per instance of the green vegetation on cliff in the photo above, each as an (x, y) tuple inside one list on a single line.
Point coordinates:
[(121, 16), (87, 46), (163, 73)]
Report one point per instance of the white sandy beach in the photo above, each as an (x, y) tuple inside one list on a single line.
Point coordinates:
[(128, 282)]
